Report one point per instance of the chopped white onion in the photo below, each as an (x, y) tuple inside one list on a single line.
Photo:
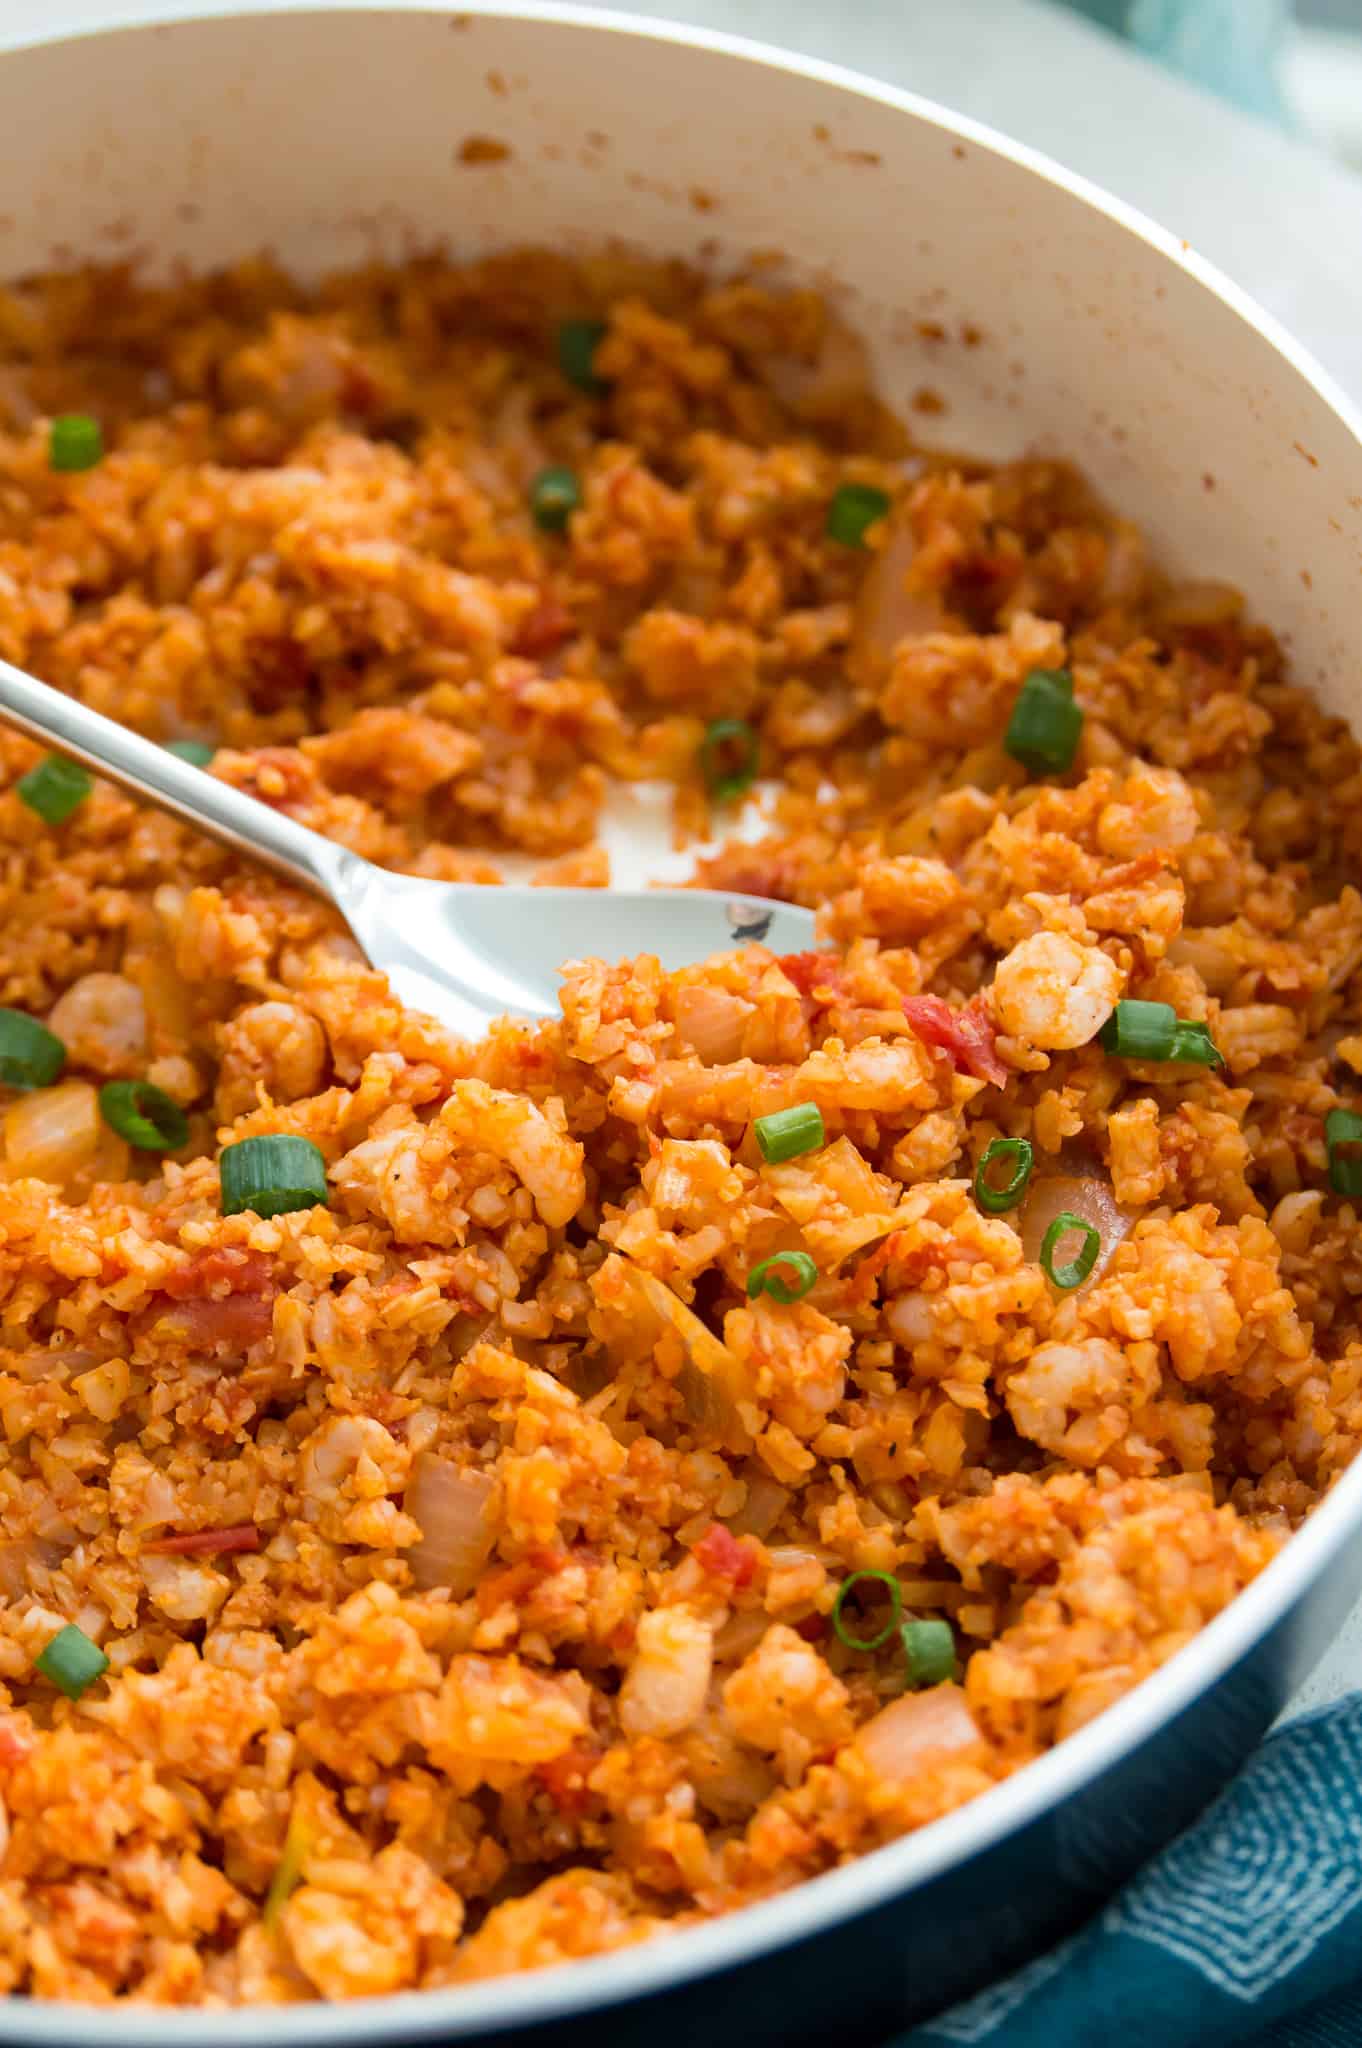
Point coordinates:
[(1088, 1196), (886, 610), (712, 1382), (450, 1503), (712, 1021), (54, 1133), (821, 386), (15, 1559), (766, 1502)]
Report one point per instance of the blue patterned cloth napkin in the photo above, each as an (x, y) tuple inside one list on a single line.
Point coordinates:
[(1247, 1929)]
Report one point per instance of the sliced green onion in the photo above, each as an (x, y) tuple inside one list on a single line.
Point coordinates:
[(555, 495), (197, 752), (72, 1661), (74, 441), (145, 1115), (1140, 1031), (766, 1277), (1043, 730), (853, 511), (31, 1056), (998, 1200), (1078, 1269), (1137, 1030), (1194, 1046), (271, 1176), (288, 1871), (875, 1642), (1343, 1136), (577, 344), (788, 1132), (928, 1651), (727, 736), (54, 789)]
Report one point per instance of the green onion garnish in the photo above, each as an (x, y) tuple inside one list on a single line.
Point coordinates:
[(723, 739), (998, 1200), (875, 1642), (1043, 730), (1138, 1030), (766, 1277), (1078, 1269), (271, 1176), (145, 1115), (577, 344), (929, 1652), (555, 495), (288, 1871), (31, 1056), (1343, 1136), (74, 441), (196, 752), (72, 1661), (1193, 1045), (54, 789), (854, 509), (788, 1132)]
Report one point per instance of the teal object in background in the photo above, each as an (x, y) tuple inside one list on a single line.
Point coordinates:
[(1244, 1933), (1233, 47)]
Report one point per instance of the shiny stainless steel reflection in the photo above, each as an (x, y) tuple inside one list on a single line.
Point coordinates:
[(464, 953)]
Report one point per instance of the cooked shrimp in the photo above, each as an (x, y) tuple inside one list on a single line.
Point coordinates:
[(665, 1686), (359, 1928), (783, 1689), (350, 1465), (544, 1158), (1155, 808), (1054, 993), (276, 1049), (1076, 1399), (796, 1356), (102, 1021)]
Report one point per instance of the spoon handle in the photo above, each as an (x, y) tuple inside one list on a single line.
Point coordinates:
[(145, 770)]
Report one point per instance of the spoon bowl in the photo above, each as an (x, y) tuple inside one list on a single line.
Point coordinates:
[(465, 953)]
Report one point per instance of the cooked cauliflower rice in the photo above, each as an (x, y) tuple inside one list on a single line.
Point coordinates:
[(465, 1572)]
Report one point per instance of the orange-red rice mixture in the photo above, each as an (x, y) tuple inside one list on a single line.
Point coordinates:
[(464, 1549)]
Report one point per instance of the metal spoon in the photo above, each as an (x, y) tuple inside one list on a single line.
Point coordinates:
[(462, 952)]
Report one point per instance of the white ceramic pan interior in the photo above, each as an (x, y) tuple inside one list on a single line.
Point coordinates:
[(1058, 322)]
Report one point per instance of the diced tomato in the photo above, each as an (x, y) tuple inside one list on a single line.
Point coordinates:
[(865, 1274), (16, 1741), (278, 674), (516, 1582), (751, 871), (809, 971), (278, 776), (565, 1777), (544, 630), (208, 1542), (360, 390), (224, 1298), (224, 1269), (231, 1325), (1131, 873), (966, 1035), (726, 1556)]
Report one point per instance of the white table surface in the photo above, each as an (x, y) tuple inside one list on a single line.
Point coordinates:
[(1282, 220)]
